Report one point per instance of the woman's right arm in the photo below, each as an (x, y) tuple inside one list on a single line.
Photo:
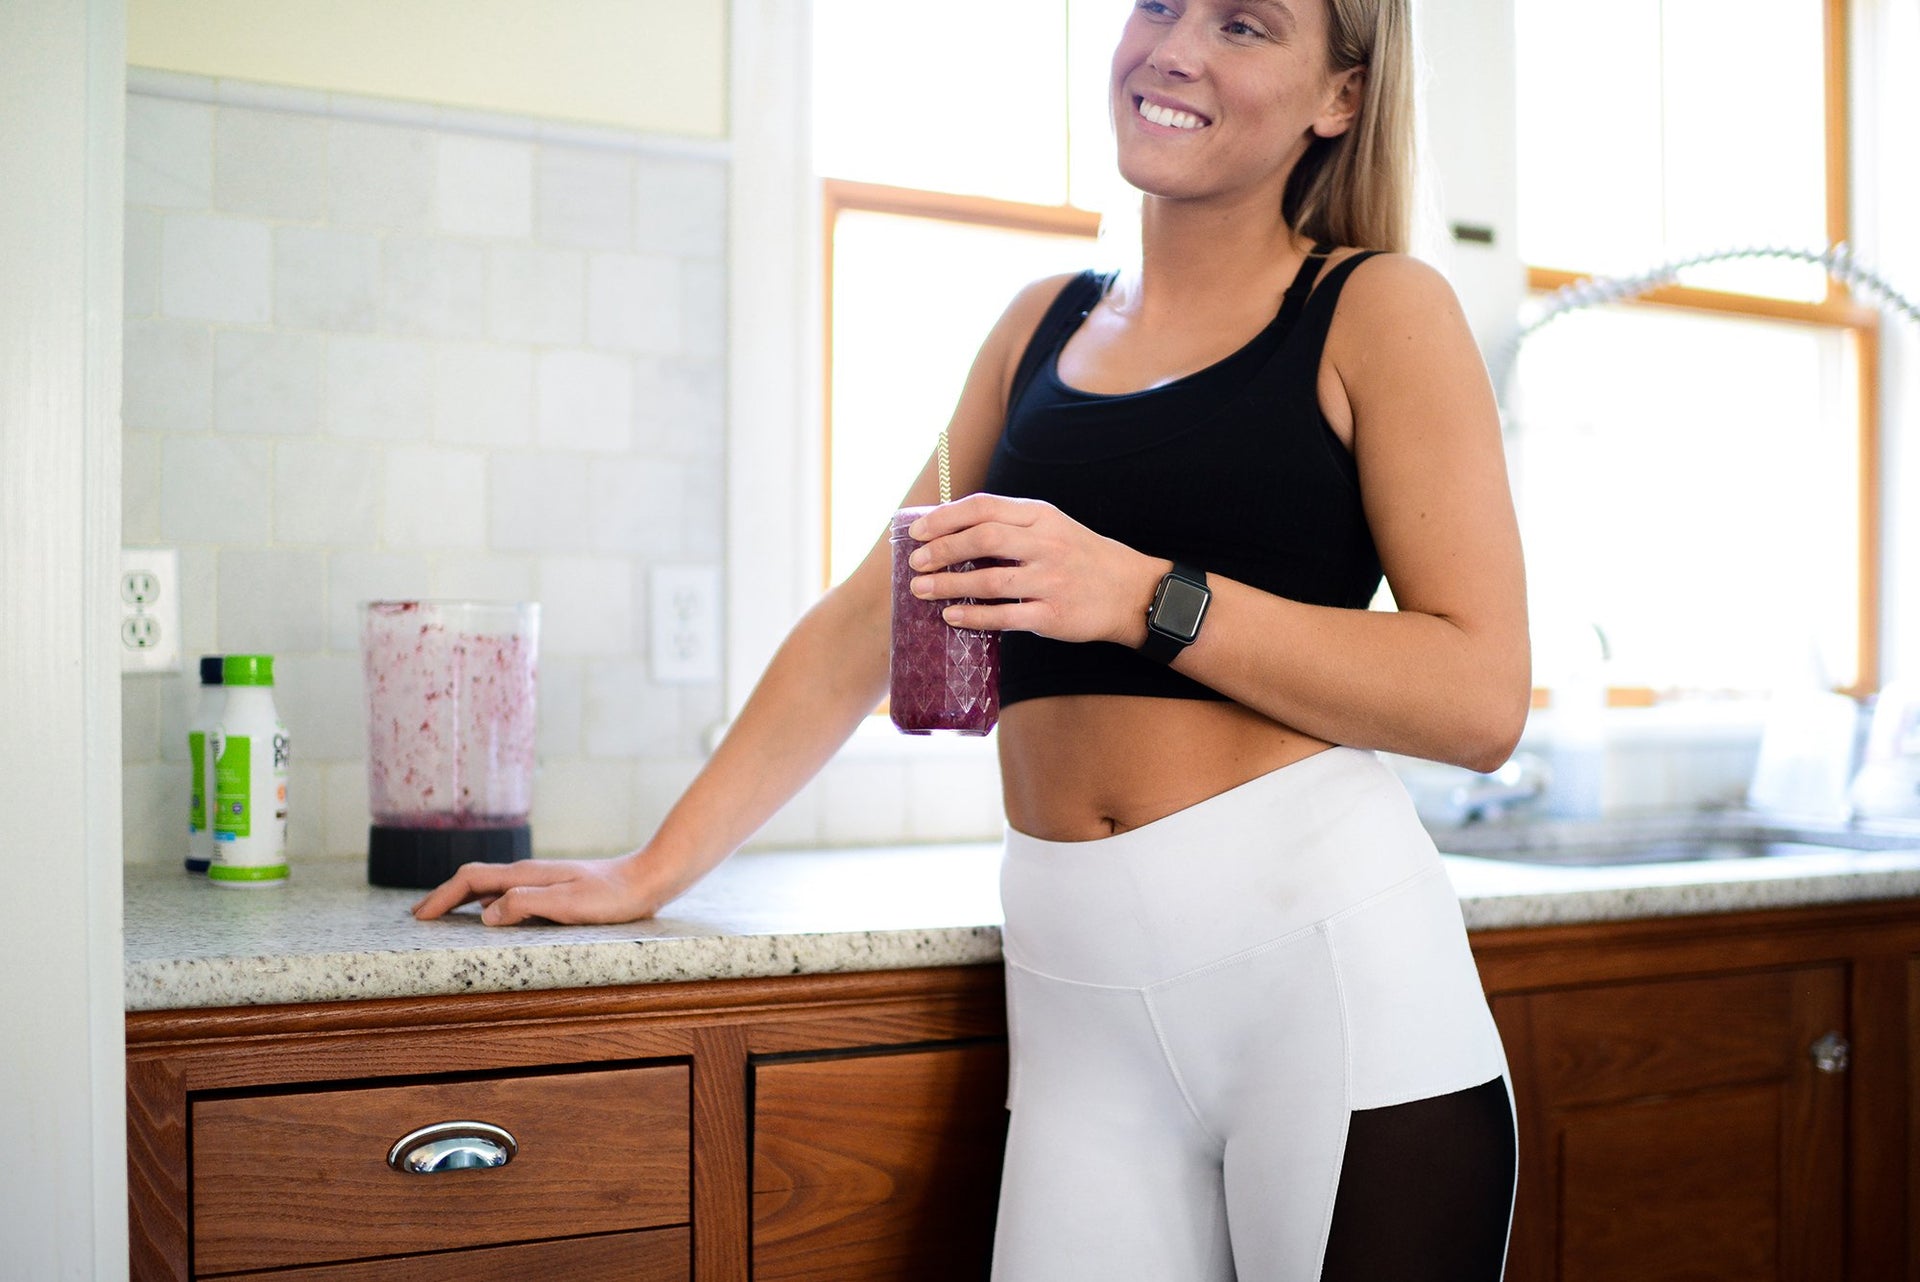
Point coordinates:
[(826, 677)]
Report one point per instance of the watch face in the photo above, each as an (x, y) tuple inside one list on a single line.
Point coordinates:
[(1178, 608)]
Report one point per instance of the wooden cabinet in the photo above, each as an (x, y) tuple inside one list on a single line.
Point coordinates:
[(846, 1127), (1712, 1097), (1729, 1096), (1682, 1128), (878, 1166)]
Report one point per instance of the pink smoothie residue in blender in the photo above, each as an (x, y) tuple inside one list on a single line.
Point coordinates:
[(450, 720)]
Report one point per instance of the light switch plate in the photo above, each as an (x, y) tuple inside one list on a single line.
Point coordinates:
[(149, 610)]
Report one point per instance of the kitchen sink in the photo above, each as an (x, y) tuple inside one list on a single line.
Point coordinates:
[(1682, 839)]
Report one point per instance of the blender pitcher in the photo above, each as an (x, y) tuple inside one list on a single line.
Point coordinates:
[(450, 735)]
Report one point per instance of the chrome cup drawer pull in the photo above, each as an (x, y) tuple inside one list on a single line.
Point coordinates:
[(1831, 1053), (451, 1146)]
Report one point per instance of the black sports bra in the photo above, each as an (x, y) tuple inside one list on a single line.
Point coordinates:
[(1232, 469)]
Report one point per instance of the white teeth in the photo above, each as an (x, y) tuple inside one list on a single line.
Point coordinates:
[(1169, 117)]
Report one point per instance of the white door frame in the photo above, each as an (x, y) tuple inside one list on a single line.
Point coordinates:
[(63, 1182)]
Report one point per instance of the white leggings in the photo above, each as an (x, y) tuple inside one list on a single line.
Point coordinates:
[(1204, 1011)]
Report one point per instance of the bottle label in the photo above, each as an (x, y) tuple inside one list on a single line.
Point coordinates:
[(233, 786), (197, 803)]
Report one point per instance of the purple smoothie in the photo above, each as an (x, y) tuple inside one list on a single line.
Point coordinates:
[(942, 677), (450, 713)]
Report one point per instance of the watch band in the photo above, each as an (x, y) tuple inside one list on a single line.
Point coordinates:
[(1179, 607)]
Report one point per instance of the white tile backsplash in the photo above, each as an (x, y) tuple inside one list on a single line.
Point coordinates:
[(167, 376), (634, 303), (169, 154), (537, 502), (380, 175), (586, 605), (379, 388), (563, 686), (583, 401), (535, 294), (584, 807), (434, 498), (216, 268), (310, 691), (469, 576), (703, 301), (272, 601), (433, 287), (866, 799), (674, 199), (627, 715), (139, 488), (325, 492), (679, 407), (483, 395), (140, 720), (216, 489), (344, 816), (326, 278), (483, 187), (583, 197), (140, 276), (268, 382), (270, 164), (638, 506)]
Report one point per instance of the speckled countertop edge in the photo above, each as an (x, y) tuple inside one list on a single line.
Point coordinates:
[(328, 936)]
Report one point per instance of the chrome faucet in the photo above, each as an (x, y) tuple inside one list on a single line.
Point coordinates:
[(1521, 781)]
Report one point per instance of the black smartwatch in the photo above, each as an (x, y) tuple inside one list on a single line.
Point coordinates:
[(1179, 605)]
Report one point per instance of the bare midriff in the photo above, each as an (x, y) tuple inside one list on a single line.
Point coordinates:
[(1083, 767)]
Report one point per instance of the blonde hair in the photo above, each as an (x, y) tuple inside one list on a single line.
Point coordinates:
[(1357, 188)]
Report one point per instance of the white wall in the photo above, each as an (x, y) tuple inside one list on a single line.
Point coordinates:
[(657, 66), (62, 1079)]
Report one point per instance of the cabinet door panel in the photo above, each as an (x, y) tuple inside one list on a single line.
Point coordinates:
[(1622, 1041), (875, 1167), (1680, 1129), (1672, 1189), (302, 1177)]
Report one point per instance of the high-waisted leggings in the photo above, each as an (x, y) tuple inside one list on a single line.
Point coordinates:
[(1248, 1042)]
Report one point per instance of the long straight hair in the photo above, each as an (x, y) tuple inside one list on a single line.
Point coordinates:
[(1357, 188)]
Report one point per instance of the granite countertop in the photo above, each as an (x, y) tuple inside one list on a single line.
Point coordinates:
[(328, 936)]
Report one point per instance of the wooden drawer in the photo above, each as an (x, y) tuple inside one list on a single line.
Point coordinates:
[(658, 1255), (302, 1178)]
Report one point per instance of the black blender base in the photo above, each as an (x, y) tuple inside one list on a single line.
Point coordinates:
[(422, 858)]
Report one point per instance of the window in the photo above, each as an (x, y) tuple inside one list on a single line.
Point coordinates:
[(959, 161), (1695, 469)]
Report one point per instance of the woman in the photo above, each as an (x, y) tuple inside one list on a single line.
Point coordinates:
[(1247, 1036)]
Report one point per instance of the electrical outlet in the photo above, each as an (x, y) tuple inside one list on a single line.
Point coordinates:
[(683, 616), (149, 610)]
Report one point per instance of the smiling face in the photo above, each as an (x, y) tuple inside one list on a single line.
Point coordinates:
[(1215, 97)]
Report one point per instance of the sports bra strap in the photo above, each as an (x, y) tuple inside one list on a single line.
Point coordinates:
[(1317, 314), (1295, 299), (1069, 308)]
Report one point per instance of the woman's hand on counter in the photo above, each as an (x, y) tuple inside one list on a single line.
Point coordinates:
[(569, 891)]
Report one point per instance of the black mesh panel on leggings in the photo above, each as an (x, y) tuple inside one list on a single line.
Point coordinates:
[(1426, 1191)]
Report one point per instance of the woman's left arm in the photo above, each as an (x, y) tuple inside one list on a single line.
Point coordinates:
[(1446, 676)]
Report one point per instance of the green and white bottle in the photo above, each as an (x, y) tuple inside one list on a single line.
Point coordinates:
[(250, 753)]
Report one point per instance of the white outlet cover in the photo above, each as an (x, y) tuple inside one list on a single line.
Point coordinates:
[(148, 632), (683, 623)]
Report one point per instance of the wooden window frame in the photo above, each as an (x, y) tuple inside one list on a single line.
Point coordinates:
[(1838, 310), (838, 196)]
